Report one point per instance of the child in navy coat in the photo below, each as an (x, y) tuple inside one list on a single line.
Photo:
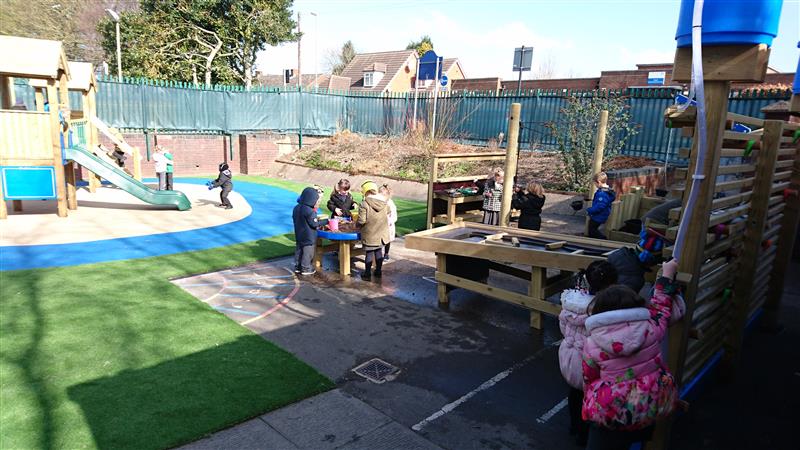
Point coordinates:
[(305, 230)]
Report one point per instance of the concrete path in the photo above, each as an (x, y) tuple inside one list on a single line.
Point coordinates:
[(333, 420)]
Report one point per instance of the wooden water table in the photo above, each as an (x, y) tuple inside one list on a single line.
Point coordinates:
[(343, 242), (466, 252)]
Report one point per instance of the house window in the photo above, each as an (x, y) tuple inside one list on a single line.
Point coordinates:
[(371, 79)]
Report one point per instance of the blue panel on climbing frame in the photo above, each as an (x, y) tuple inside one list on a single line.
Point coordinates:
[(28, 182)]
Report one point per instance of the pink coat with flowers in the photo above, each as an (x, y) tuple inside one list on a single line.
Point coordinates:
[(627, 383), (572, 321)]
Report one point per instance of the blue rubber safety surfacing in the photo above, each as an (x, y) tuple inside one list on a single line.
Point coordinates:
[(271, 216)]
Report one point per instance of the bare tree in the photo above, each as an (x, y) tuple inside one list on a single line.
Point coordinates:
[(546, 68), (337, 61)]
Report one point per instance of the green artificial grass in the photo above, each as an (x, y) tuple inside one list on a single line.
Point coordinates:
[(113, 355)]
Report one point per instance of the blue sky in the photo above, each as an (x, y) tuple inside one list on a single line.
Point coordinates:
[(579, 38)]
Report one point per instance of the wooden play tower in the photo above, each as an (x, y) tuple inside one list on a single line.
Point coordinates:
[(31, 160)]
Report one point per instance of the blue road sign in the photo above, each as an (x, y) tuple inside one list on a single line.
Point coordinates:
[(427, 66), (443, 80)]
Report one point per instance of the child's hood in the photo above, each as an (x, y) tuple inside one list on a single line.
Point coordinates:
[(575, 300), (376, 203), (610, 193), (620, 332), (308, 197)]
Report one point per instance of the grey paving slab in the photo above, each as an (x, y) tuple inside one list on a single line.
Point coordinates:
[(390, 437), (253, 434), (326, 421)]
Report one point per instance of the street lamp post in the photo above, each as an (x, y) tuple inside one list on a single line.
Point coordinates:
[(115, 16), (316, 38)]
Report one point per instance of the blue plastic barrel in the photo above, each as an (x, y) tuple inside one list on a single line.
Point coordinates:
[(727, 22)]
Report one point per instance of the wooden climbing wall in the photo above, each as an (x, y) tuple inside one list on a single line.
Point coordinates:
[(753, 172)]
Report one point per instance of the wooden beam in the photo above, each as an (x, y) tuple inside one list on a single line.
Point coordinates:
[(599, 148), (55, 130), (441, 288), (499, 293), (69, 175), (510, 270), (557, 284), (442, 157), (434, 174), (724, 63), (7, 97), (514, 112), (3, 207), (536, 291), (739, 168), (716, 96), (747, 120)]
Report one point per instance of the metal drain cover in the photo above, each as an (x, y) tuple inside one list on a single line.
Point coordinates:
[(377, 370)]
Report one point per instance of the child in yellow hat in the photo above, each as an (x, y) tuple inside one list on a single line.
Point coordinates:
[(374, 220)]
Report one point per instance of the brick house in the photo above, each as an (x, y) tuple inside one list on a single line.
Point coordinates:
[(393, 71)]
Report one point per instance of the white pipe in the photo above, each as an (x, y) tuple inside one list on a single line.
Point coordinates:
[(698, 88)]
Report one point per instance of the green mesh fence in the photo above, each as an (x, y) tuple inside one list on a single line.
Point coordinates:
[(475, 117)]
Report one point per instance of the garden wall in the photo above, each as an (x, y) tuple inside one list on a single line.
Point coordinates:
[(201, 154)]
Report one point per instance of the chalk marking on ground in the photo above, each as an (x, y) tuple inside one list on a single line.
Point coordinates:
[(239, 311), (250, 296), (280, 304), (239, 286), (486, 385), (553, 411)]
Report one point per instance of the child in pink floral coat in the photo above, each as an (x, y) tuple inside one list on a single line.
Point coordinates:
[(627, 385)]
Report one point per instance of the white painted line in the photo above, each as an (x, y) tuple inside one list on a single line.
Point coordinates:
[(553, 411), (486, 385), (431, 279)]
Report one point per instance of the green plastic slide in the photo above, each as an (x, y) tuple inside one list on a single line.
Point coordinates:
[(122, 180)]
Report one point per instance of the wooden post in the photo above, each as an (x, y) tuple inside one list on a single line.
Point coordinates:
[(535, 290), (716, 94), (137, 163), (786, 242), (431, 181), (69, 175), (511, 162), (318, 254), (63, 97), (55, 130), (753, 235), (39, 98), (3, 208), (597, 163), (7, 97), (344, 258), (441, 288), (17, 205), (599, 148), (91, 133)]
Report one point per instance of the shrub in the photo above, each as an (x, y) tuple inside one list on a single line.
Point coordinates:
[(575, 134)]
